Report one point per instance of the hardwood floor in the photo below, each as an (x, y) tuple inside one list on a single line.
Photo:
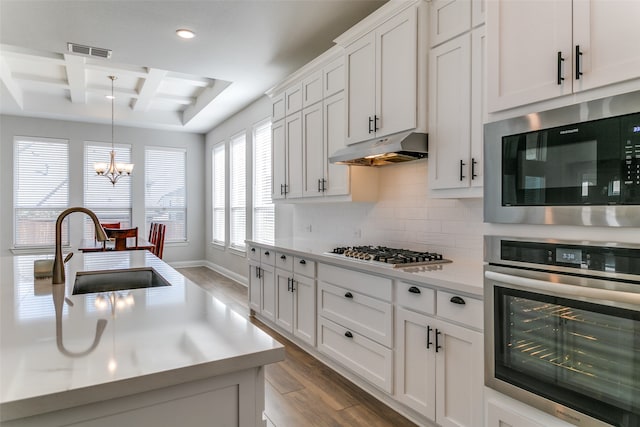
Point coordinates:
[(302, 391)]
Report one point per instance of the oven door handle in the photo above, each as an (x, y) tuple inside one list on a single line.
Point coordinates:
[(561, 289)]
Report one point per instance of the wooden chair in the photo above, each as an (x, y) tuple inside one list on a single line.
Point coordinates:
[(106, 225), (156, 237), (121, 235)]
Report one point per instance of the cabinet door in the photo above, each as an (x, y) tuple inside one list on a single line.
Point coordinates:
[(524, 38), (397, 73), (277, 107), (337, 176), (314, 158), (284, 300), (478, 102), (607, 33), (294, 155), (449, 113), (268, 308), (278, 160), (312, 89), (360, 88), (448, 18), (255, 285), (293, 99), (333, 77), (415, 363), (304, 309), (459, 375)]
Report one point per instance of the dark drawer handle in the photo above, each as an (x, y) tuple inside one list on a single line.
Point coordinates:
[(253, 249), (266, 253), (283, 257), (303, 262), (457, 300), (348, 295), (414, 290), (348, 334)]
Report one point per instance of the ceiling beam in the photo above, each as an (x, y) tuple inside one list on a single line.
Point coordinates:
[(149, 89), (10, 83), (77, 78), (204, 100)]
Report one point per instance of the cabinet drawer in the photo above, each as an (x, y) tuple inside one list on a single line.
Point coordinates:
[(268, 256), (469, 313), (366, 358), (358, 312), (254, 253), (378, 287), (284, 261), (416, 298), (304, 266)]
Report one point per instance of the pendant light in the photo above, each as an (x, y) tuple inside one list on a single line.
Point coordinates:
[(113, 171)]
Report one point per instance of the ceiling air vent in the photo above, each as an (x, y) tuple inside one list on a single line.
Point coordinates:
[(88, 50)]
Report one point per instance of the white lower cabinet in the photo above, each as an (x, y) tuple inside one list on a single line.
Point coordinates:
[(365, 357), (268, 304), (295, 304), (255, 286), (439, 369)]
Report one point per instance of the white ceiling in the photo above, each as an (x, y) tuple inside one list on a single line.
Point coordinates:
[(242, 48)]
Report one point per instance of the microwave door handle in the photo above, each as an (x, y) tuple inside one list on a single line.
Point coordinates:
[(567, 291)]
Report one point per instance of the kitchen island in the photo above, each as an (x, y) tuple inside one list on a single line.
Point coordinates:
[(163, 356)]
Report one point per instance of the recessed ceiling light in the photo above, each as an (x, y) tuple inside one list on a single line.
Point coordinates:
[(185, 34)]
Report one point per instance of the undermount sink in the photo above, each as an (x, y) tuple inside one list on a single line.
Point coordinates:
[(117, 280)]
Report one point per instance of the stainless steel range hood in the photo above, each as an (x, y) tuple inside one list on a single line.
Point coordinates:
[(396, 148)]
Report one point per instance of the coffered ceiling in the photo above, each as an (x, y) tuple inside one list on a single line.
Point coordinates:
[(241, 49)]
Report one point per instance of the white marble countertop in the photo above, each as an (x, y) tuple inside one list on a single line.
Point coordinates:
[(51, 357), (460, 275)]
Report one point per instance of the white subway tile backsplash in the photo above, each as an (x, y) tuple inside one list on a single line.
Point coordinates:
[(404, 216)]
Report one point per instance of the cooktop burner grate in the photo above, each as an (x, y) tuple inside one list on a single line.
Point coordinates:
[(390, 256)]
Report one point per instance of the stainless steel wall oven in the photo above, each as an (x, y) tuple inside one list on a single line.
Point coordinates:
[(562, 327), (577, 165)]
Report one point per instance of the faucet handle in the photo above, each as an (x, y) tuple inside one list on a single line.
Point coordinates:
[(68, 257)]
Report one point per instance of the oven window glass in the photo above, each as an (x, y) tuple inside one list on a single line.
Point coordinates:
[(574, 165), (582, 355)]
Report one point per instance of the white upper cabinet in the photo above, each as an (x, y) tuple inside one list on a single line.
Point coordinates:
[(542, 50), (312, 89), (314, 152), (381, 79), (277, 107), (333, 78), (293, 99), (278, 160), (448, 18), (336, 176)]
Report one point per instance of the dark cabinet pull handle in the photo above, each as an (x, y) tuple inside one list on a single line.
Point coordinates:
[(462, 164), (348, 334), (370, 123), (253, 249), (414, 290), (283, 257), (266, 253), (288, 284), (578, 55), (375, 124), (457, 300), (429, 343), (324, 185), (319, 185), (560, 61), (438, 346), (303, 262), (348, 295), (474, 175), (281, 189)]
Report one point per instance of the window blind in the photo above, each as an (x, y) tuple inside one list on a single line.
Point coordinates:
[(238, 192), (165, 191), (111, 203), (41, 189), (218, 197), (263, 209)]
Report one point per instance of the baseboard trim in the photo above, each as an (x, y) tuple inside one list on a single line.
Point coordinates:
[(227, 273)]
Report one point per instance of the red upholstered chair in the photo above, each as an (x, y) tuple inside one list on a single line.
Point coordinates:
[(156, 237)]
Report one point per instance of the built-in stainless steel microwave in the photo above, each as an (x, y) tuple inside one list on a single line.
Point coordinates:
[(578, 165)]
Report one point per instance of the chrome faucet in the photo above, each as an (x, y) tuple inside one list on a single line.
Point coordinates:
[(58, 262)]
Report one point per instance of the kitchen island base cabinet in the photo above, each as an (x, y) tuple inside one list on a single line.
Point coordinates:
[(235, 399)]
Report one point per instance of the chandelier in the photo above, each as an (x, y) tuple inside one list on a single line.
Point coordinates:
[(113, 171)]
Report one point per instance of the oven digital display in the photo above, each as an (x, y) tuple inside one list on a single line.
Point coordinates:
[(569, 256)]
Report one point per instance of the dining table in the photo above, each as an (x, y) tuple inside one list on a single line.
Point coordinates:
[(128, 244)]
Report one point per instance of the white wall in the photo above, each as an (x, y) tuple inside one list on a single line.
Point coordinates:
[(77, 133), (403, 217)]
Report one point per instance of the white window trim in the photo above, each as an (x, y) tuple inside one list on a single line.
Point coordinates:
[(221, 243), (253, 208), (240, 248)]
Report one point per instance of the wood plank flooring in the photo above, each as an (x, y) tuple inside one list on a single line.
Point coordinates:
[(302, 391)]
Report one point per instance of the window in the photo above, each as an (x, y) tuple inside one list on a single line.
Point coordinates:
[(111, 203), (238, 192), (41, 189), (263, 211), (218, 197), (165, 191)]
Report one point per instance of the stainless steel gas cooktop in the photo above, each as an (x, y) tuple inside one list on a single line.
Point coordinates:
[(389, 257)]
